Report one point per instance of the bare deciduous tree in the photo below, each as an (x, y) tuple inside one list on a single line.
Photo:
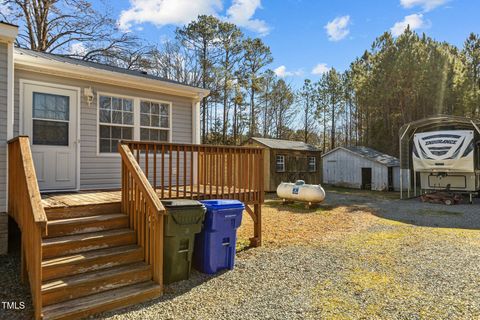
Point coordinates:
[(73, 28)]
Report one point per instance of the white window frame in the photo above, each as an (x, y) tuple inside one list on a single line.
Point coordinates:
[(314, 163), (111, 124), (136, 119), (280, 156), (169, 129)]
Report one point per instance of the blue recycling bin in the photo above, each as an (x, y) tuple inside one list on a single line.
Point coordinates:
[(214, 248)]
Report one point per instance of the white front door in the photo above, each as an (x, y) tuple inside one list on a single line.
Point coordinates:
[(50, 120)]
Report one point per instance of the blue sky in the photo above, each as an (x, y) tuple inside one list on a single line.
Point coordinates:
[(296, 30)]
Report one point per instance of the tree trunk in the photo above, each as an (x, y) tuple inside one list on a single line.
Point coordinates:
[(332, 137), (252, 112), (225, 99)]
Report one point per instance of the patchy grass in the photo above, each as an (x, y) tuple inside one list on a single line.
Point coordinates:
[(381, 273), (387, 267), (294, 224)]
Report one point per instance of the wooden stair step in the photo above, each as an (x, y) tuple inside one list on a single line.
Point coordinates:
[(62, 227), (66, 212), (104, 301), (89, 261), (60, 246), (80, 285)]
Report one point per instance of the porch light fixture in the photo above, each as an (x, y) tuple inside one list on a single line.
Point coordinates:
[(88, 93)]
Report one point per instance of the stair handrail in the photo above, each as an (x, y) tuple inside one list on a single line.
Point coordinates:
[(145, 210), (26, 208)]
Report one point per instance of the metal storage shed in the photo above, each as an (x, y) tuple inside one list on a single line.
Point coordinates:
[(361, 168)]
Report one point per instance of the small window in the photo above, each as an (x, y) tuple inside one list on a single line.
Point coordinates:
[(154, 121), (312, 164), (280, 164), (116, 122), (51, 115)]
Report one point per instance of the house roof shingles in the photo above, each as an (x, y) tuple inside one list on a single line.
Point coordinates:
[(286, 144)]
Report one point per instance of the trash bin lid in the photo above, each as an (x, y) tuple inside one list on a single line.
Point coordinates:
[(181, 203), (223, 204)]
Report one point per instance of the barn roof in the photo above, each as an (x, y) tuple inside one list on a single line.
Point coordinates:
[(371, 154), (286, 144)]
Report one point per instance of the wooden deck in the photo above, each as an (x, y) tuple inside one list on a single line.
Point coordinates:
[(105, 247), (93, 197)]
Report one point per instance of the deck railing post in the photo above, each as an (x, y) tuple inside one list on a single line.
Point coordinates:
[(25, 206)]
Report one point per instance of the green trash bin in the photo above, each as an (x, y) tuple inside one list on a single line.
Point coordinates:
[(184, 219)]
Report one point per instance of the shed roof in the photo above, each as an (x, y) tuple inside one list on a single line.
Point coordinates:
[(286, 144), (371, 154)]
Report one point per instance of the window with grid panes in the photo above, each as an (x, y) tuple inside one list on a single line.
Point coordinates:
[(154, 121), (115, 122)]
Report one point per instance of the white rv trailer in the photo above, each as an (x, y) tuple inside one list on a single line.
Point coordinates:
[(447, 160)]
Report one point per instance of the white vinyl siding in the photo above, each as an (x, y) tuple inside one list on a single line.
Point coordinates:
[(3, 147), (99, 171), (3, 126)]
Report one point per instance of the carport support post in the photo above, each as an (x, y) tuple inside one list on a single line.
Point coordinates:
[(401, 182), (414, 183)]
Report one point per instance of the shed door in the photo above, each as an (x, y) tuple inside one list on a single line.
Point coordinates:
[(50, 120), (331, 175), (367, 178)]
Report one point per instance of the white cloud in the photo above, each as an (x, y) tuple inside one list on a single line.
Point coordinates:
[(320, 69), (77, 49), (282, 72), (337, 29), (415, 21), (179, 12), (427, 5), (163, 12), (241, 13)]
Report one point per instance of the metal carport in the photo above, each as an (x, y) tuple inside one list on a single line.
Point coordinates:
[(406, 132)]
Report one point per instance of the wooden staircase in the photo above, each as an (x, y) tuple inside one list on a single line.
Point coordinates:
[(81, 260), (91, 263)]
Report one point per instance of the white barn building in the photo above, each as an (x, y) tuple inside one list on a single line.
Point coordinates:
[(361, 168)]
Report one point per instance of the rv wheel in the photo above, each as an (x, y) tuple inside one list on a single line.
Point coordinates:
[(448, 202)]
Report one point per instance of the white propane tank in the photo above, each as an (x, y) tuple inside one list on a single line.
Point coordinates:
[(299, 191)]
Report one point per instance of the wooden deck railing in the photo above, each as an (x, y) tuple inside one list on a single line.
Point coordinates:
[(201, 171), (204, 172), (145, 211), (25, 206)]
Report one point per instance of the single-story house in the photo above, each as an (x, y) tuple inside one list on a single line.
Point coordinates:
[(288, 161), (75, 112), (87, 153), (361, 168)]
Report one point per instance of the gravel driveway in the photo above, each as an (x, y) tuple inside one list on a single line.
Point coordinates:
[(356, 257)]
